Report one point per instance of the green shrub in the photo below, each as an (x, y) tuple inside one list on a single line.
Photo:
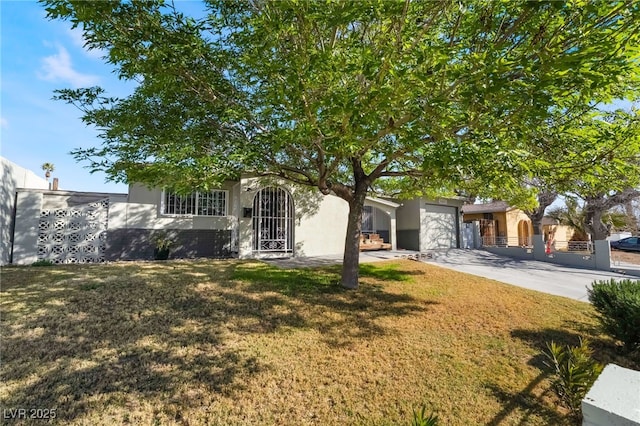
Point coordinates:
[(42, 263), (618, 303), (420, 419), (575, 371)]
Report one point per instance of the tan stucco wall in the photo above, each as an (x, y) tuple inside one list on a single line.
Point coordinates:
[(499, 217), (513, 218), (123, 215), (561, 235)]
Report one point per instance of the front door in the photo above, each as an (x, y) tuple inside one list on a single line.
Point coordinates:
[(273, 221)]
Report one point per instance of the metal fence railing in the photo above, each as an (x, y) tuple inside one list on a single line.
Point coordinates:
[(580, 246), (527, 242), (493, 241)]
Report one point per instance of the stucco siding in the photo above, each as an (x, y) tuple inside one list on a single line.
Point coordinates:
[(323, 232), (123, 215), (13, 177), (28, 208), (408, 215), (140, 194), (320, 221), (409, 239)]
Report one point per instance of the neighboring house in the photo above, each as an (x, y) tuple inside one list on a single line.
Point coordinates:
[(503, 225), (13, 177), (248, 218)]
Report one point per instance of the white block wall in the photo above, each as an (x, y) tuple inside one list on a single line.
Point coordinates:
[(614, 399), (13, 177)]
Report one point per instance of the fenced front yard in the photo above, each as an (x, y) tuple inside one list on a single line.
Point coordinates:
[(231, 342)]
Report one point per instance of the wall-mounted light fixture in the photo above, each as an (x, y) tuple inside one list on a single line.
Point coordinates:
[(247, 212)]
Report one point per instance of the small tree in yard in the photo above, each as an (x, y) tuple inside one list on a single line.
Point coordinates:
[(575, 371), (421, 98)]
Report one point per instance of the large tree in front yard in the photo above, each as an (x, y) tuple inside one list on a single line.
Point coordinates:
[(345, 96)]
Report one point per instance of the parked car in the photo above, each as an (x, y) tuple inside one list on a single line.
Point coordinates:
[(626, 244)]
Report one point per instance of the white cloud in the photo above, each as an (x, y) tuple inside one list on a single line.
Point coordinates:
[(78, 39), (58, 67), (4, 123)]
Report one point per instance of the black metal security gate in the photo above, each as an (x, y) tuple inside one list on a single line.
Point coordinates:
[(273, 221)]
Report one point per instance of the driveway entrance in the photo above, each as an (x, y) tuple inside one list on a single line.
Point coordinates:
[(542, 276)]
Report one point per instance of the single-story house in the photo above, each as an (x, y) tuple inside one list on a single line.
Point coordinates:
[(248, 218), (504, 225)]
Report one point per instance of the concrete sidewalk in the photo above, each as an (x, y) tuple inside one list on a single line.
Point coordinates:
[(365, 257), (535, 275)]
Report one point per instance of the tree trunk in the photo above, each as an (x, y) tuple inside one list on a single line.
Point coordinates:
[(631, 219), (536, 220), (351, 260), (597, 228), (545, 199), (594, 210)]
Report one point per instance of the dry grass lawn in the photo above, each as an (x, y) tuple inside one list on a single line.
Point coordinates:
[(234, 343), (625, 256)]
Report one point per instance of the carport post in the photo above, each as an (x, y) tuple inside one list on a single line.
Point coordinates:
[(392, 231)]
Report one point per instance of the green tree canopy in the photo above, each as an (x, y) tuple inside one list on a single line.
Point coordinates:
[(593, 155), (348, 97)]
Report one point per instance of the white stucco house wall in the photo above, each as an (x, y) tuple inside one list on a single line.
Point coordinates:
[(247, 218), (13, 177), (250, 218)]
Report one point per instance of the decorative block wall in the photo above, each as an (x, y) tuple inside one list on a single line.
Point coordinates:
[(75, 234)]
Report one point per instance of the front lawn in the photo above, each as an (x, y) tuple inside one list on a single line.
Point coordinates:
[(232, 343)]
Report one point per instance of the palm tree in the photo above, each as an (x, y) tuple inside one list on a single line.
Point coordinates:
[(48, 168)]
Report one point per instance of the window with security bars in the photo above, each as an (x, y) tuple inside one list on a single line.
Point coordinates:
[(212, 203)]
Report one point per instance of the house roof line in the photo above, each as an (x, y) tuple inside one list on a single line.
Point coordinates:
[(383, 202), (67, 192), (495, 206)]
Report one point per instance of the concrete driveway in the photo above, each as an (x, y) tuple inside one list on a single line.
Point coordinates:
[(542, 276)]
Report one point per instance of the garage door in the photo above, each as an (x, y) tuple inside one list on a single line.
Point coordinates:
[(438, 227)]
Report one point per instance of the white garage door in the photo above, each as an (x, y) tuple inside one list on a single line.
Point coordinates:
[(438, 227)]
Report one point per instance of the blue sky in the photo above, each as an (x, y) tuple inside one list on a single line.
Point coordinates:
[(39, 56)]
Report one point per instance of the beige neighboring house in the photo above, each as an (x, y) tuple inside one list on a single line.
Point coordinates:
[(506, 226)]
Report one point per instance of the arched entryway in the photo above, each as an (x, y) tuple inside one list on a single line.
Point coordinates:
[(524, 233), (273, 215)]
